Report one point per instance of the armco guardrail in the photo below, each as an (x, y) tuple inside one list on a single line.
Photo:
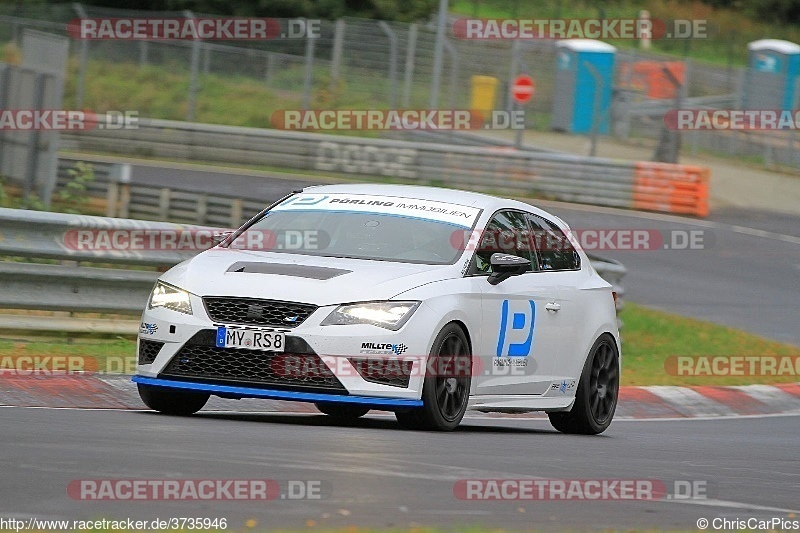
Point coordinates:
[(121, 198), (73, 284), (77, 285), (44, 235), (548, 175)]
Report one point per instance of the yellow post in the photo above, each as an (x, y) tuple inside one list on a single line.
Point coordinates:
[(484, 94)]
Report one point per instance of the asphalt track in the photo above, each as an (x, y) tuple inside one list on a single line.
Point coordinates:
[(374, 474), (746, 275)]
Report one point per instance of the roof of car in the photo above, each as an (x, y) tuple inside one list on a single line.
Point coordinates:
[(438, 194)]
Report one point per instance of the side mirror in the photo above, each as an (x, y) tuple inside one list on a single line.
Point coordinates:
[(504, 266)]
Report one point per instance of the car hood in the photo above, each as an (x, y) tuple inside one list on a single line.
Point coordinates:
[(300, 278)]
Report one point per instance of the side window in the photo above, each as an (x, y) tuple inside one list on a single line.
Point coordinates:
[(507, 233), (554, 249)]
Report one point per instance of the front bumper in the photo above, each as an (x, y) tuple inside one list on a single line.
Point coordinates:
[(236, 392), (169, 337)]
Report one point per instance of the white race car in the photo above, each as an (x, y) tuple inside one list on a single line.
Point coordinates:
[(422, 301)]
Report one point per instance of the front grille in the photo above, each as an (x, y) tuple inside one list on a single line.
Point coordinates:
[(253, 368), (383, 371), (148, 351), (257, 312)]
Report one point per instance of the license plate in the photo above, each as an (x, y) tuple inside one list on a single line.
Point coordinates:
[(250, 339)]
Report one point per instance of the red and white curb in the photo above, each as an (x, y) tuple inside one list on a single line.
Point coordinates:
[(104, 391), (708, 401)]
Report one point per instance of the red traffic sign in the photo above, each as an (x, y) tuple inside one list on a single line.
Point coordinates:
[(522, 90)]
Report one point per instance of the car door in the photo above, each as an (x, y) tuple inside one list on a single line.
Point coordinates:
[(518, 334), (559, 269)]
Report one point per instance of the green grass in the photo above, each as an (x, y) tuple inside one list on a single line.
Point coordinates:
[(163, 93), (235, 100), (105, 353), (730, 30), (649, 337)]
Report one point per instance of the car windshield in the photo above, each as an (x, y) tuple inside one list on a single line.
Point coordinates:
[(363, 227)]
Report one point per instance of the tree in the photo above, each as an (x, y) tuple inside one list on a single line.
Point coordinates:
[(405, 11)]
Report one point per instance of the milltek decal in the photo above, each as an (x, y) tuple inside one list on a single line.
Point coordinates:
[(382, 347)]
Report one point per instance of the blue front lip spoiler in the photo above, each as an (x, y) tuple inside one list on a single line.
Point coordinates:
[(250, 392)]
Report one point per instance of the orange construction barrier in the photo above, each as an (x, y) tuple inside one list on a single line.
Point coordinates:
[(669, 188), (648, 77)]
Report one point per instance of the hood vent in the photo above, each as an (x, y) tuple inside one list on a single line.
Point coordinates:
[(287, 269)]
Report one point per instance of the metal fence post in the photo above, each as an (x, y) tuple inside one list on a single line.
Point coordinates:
[(437, 54), (112, 198), (598, 94), (408, 76), (5, 83), (740, 85), (35, 139), (143, 53), (119, 190), (392, 61), (84, 60), (308, 74), (268, 68), (454, 66), (793, 133), (336, 59), (201, 211), (669, 144), (119, 187), (513, 70), (195, 66), (163, 203), (236, 213), (206, 58)]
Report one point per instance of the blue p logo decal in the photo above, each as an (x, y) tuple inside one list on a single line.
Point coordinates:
[(520, 322)]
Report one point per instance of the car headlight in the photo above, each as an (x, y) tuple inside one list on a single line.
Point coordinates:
[(389, 315), (170, 297)]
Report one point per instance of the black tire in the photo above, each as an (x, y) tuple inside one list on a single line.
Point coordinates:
[(445, 390), (342, 412), (597, 393), (172, 401)]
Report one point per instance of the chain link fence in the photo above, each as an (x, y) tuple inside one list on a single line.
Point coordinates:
[(369, 64)]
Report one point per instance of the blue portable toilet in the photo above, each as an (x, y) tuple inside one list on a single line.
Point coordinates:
[(576, 88), (773, 67)]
